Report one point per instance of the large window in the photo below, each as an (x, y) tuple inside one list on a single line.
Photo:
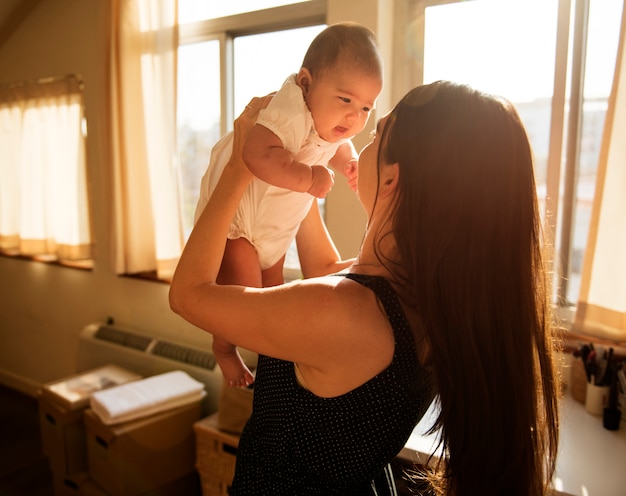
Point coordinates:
[(44, 207), (198, 112), (222, 64), (555, 62)]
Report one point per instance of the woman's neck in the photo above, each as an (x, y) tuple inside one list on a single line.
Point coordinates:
[(368, 261)]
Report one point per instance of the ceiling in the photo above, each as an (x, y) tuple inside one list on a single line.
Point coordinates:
[(12, 13)]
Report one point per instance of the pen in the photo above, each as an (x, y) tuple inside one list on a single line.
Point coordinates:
[(590, 365), (603, 368)]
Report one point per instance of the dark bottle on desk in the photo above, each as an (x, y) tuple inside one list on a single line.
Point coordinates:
[(611, 415)]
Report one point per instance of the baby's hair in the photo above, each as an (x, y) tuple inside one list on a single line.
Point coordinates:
[(348, 43)]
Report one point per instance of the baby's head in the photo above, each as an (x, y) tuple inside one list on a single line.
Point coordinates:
[(348, 44), (341, 78)]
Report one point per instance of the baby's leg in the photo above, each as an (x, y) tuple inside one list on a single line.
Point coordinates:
[(240, 266), (274, 275)]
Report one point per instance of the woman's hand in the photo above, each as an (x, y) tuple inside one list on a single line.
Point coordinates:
[(242, 126)]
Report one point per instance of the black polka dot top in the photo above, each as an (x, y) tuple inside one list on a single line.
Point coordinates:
[(296, 443)]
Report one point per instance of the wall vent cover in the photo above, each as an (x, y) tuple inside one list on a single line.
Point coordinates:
[(123, 337), (184, 354)]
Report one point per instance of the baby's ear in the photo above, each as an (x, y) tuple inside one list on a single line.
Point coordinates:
[(303, 79)]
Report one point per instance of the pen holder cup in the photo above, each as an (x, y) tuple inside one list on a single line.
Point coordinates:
[(596, 399), (578, 380)]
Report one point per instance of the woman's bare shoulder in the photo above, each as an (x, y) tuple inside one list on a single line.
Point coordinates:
[(340, 295), (356, 340)]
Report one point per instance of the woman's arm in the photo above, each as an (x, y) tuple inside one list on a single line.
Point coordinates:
[(201, 259), (316, 249)]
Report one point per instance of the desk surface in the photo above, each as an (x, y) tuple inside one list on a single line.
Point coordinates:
[(591, 459)]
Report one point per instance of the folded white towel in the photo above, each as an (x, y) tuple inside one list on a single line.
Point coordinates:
[(145, 397)]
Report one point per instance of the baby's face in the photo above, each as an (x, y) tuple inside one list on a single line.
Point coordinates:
[(341, 101)]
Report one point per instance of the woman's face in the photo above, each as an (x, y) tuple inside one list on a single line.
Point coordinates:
[(367, 182)]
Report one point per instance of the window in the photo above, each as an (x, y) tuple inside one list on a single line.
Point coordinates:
[(44, 212), (222, 64), (198, 114), (197, 10), (560, 89)]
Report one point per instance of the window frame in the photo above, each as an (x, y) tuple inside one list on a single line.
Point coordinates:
[(226, 29)]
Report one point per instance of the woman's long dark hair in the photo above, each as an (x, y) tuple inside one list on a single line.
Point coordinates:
[(469, 260)]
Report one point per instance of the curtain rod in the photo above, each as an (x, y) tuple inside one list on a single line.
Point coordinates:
[(21, 84)]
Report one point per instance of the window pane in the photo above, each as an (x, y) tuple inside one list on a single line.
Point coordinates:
[(197, 10), (198, 115), (460, 45), (602, 42), (258, 69), (44, 214), (477, 43)]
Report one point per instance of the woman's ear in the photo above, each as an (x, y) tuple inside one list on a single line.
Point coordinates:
[(389, 177), (303, 80)]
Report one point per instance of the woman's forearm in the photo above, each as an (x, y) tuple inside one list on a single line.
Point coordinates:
[(201, 259)]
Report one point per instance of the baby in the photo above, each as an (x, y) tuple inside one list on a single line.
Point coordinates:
[(305, 129)]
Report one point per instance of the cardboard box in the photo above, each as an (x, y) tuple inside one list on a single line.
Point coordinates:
[(140, 456), (82, 485), (90, 488), (62, 437), (70, 485), (61, 407), (75, 391)]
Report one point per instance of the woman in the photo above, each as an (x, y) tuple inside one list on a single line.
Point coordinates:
[(447, 298)]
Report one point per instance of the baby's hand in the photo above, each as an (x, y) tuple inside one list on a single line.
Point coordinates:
[(351, 171), (323, 180)]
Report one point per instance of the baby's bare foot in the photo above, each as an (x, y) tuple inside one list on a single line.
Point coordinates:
[(235, 371)]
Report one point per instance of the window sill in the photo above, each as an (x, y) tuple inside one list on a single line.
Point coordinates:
[(50, 260), (572, 339), (150, 275)]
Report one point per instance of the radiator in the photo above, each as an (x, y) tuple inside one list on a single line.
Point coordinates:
[(101, 344)]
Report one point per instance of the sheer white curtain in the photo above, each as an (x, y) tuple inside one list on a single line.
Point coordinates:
[(601, 310), (44, 208), (148, 234)]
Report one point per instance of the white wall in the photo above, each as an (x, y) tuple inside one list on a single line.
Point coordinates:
[(44, 307)]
